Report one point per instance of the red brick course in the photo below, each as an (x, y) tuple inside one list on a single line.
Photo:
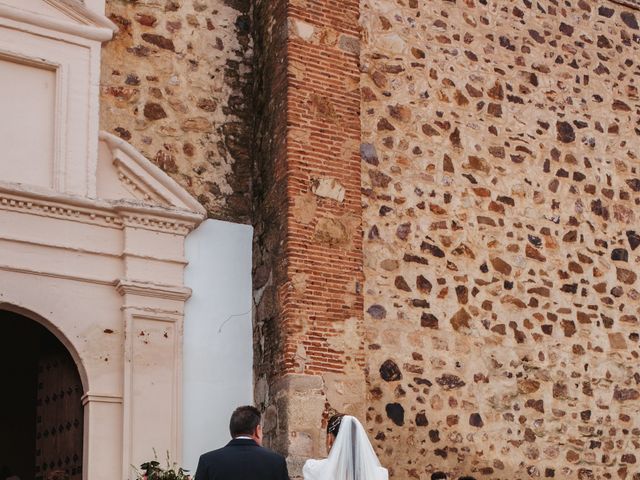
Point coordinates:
[(309, 245), (322, 105)]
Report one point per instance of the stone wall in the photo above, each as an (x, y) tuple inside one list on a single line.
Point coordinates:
[(501, 184), (270, 215), (175, 84)]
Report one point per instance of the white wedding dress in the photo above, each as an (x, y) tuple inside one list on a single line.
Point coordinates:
[(351, 457)]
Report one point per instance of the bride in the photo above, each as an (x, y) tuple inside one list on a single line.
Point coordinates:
[(351, 456)]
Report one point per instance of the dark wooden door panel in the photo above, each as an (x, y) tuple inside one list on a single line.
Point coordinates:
[(59, 418)]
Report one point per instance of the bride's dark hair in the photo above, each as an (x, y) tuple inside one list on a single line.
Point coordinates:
[(333, 426)]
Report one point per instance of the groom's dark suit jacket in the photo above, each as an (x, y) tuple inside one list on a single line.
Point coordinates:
[(242, 459)]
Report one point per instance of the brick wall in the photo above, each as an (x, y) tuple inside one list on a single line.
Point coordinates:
[(176, 84), (324, 249), (501, 183), (309, 262)]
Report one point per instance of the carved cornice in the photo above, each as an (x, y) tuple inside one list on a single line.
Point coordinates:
[(158, 218), (105, 213), (155, 290), (81, 22), (100, 398), (156, 224), (20, 200)]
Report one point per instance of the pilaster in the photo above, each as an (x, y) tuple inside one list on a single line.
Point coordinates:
[(153, 324)]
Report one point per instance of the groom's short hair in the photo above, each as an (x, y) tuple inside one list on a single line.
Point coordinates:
[(438, 476), (244, 421)]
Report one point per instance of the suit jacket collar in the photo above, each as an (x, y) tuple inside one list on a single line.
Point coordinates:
[(242, 442)]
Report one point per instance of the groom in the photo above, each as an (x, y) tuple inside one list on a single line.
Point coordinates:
[(243, 458)]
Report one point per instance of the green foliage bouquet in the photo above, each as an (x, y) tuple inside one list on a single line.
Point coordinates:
[(153, 471)]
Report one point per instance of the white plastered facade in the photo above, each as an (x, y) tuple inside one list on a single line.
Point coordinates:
[(91, 235)]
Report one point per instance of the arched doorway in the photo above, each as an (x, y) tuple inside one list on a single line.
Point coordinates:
[(40, 408)]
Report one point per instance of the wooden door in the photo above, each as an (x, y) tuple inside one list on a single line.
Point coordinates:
[(59, 416)]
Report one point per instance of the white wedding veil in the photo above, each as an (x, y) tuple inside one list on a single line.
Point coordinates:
[(351, 458)]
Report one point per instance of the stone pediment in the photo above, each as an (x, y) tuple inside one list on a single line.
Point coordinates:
[(125, 174), (67, 16), (130, 191), (47, 90)]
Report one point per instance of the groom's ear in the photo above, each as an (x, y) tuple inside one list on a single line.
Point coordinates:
[(258, 434)]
